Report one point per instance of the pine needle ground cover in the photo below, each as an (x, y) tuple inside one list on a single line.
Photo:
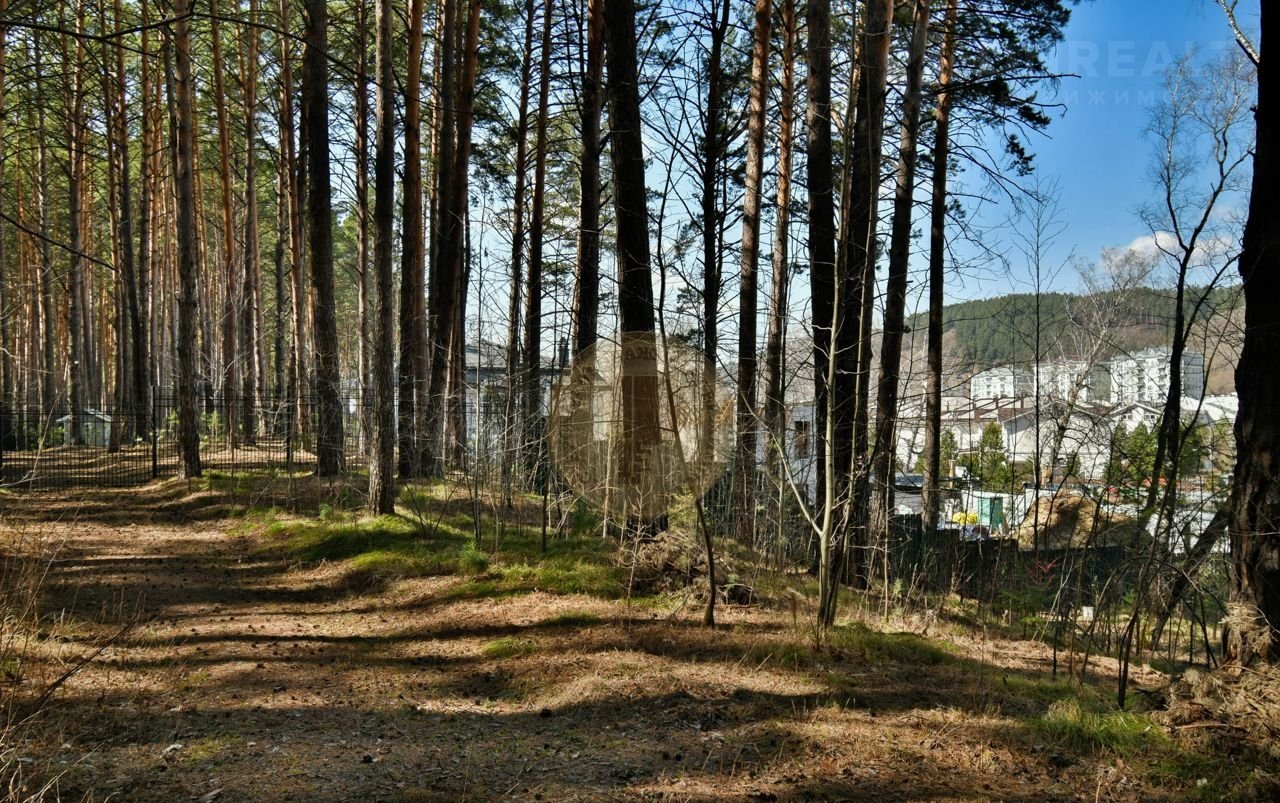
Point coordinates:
[(441, 654)]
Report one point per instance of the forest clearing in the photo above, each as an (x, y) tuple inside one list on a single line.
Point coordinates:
[(213, 646)]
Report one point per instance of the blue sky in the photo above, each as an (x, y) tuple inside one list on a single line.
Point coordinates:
[(1096, 148)]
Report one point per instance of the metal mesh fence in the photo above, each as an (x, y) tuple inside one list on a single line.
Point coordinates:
[(134, 444)]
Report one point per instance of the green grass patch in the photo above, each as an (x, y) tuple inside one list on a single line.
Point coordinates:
[(317, 540), (1204, 775), (209, 748), (412, 562), (395, 546), (784, 654), (876, 647), (1045, 692), (566, 574), (1074, 727), (254, 520), (509, 647), (471, 561), (556, 577)]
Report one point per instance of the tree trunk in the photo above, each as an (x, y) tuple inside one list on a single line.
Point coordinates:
[(188, 248), (712, 258), (512, 427), (364, 355), (823, 280), (745, 461), (443, 281), (882, 462), (1253, 627), (412, 256), (456, 414), (290, 164), (774, 415), (315, 95), (7, 350), (638, 462), (452, 232), (532, 391), (853, 339), (146, 208), (78, 325), (251, 282), (49, 404), (137, 378), (121, 383), (931, 502), (229, 282), (280, 360), (382, 465), (586, 296)]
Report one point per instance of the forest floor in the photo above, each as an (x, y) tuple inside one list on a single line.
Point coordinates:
[(228, 650)]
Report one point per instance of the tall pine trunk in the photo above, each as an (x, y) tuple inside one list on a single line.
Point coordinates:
[(7, 351), (531, 392), (146, 231), (883, 450), (824, 284), (586, 293), (299, 357), (315, 95), (136, 331), (638, 461), (49, 402), (122, 386), (512, 425), (251, 281), (229, 280), (412, 257), (188, 254), (853, 339), (712, 155), (443, 281), (774, 417), (78, 325), (449, 285), (382, 463), (364, 355), (931, 501), (1253, 631), (745, 461)]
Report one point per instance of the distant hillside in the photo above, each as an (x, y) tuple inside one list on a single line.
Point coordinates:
[(1001, 331)]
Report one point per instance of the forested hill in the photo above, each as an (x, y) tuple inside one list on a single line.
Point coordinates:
[(1002, 330)]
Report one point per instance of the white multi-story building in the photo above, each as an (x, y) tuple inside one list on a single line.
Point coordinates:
[(1059, 380), (1144, 376), (1005, 382)]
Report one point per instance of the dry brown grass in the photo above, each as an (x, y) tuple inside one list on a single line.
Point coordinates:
[(260, 678), (1073, 521)]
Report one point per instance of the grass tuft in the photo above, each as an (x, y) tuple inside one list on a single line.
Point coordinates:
[(471, 561), (1074, 727), (509, 647), (376, 550), (876, 647)]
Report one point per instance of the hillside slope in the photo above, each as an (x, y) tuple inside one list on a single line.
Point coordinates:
[(1002, 330)]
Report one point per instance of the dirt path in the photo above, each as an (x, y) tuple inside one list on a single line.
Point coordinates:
[(247, 680)]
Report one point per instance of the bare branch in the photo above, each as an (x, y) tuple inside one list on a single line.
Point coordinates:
[(1241, 38)]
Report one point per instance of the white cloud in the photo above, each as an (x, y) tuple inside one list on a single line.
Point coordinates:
[(1212, 249)]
